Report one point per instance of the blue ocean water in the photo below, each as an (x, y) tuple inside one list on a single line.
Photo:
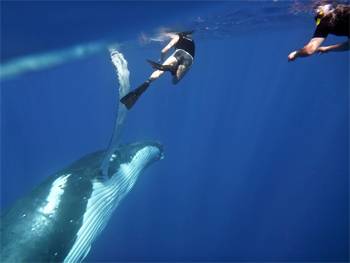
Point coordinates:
[(256, 149)]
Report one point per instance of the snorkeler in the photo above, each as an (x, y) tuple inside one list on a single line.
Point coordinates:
[(177, 64), (329, 20)]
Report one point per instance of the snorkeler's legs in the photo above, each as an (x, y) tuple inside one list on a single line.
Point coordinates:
[(180, 73), (170, 61), (155, 75)]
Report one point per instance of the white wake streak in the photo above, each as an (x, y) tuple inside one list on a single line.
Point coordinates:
[(46, 60)]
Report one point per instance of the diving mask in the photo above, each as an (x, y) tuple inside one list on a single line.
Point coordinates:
[(321, 12)]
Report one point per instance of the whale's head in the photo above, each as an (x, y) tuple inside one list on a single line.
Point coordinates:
[(75, 205), (125, 164), (133, 158)]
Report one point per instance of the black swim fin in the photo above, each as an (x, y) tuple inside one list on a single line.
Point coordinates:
[(155, 65), (130, 99)]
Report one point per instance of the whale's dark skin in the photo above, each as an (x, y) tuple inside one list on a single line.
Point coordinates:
[(29, 235)]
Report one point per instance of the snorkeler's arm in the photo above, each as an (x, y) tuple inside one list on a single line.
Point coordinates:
[(335, 48), (173, 41), (309, 49)]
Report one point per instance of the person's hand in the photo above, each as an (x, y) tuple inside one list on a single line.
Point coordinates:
[(322, 50), (292, 56)]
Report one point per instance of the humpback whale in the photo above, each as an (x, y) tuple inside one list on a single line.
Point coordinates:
[(59, 220)]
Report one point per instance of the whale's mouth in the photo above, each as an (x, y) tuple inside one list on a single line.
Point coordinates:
[(155, 149)]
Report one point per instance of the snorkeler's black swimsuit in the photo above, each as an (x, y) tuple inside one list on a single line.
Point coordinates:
[(185, 43), (339, 27)]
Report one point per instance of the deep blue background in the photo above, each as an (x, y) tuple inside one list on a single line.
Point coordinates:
[(256, 148)]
